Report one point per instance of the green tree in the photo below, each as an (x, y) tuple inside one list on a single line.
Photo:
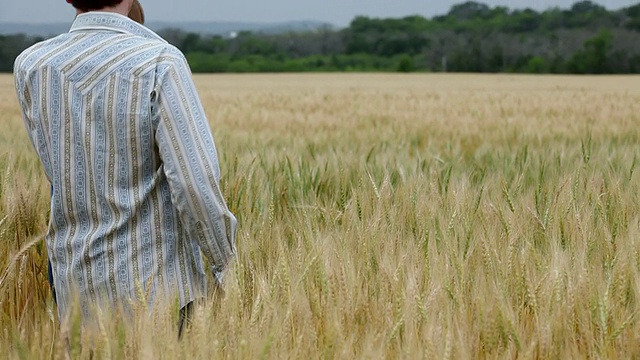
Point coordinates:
[(406, 64), (593, 58), (537, 65), (586, 13), (524, 21), (469, 10), (190, 43)]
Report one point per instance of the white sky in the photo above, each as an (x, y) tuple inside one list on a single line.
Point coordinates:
[(338, 12)]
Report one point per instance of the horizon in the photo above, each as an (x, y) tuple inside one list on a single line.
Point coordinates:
[(55, 13)]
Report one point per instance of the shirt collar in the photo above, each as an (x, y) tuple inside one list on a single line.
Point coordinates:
[(97, 20)]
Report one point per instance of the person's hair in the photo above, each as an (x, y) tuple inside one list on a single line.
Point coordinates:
[(90, 5)]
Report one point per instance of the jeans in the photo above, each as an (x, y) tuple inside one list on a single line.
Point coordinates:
[(53, 289), (185, 318)]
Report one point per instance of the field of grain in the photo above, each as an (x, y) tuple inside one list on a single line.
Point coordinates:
[(383, 216)]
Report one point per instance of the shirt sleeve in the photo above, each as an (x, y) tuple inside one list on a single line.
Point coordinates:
[(24, 97), (190, 162), (26, 103)]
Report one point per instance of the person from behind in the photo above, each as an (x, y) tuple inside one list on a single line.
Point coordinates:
[(114, 116)]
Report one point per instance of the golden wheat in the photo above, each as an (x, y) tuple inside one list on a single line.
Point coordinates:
[(383, 216)]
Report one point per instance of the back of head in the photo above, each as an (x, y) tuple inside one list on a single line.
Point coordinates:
[(92, 5), (136, 13)]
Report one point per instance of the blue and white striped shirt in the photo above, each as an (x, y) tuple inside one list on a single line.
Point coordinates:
[(116, 120)]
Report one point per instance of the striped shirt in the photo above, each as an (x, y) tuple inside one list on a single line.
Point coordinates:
[(112, 111)]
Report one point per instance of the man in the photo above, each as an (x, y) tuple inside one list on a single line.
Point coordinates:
[(136, 14), (115, 118)]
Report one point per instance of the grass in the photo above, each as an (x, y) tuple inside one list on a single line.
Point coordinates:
[(383, 216)]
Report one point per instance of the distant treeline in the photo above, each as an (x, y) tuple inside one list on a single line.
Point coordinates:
[(471, 37)]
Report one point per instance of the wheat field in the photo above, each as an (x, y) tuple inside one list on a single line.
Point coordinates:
[(382, 216)]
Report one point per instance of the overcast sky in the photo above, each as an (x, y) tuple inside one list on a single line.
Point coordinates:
[(338, 12)]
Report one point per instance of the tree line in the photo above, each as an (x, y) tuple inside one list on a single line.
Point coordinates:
[(472, 37)]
